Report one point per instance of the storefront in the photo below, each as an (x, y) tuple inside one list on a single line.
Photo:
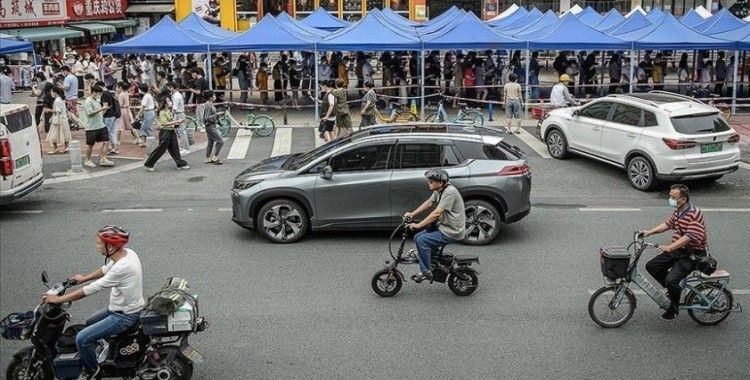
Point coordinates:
[(351, 10), (149, 12)]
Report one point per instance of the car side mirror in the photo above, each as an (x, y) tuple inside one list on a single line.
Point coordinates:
[(44, 277), (327, 172), (576, 113)]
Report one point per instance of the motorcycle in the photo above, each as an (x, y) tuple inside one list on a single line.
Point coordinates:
[(150, 349), (454, 269)]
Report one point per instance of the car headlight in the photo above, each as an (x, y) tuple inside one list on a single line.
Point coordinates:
[(243, 184)]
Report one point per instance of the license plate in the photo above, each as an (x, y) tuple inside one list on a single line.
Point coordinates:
[(23, 161), (192, 354), (710, 148)]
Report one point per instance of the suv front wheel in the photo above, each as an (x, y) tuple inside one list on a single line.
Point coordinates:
[(482, 222), (282, 221), (557, 145), (641, 173)]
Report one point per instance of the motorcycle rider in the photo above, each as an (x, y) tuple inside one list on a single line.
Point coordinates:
[(446, 224), (560, 96), (689, 240), (122, 273)]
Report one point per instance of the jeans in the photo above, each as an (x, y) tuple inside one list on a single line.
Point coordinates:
[(215, 141), (109, 122), (534, 87), (147, 125), (167, 143), (181, 131), (670, 268), (428, 241), (102, 324), (199, 114)]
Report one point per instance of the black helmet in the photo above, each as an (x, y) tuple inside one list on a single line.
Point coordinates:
[(437, 175)]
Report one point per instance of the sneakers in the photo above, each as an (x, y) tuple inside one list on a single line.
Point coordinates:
[(89, 164), (89, 374), (106, 163), (184, 167), (149, 169), (419, 277), (671, 313)]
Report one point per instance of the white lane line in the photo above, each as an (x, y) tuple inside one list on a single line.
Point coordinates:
[(638, 292), (610, 209), (745, 165), (22, 211), (318, 140), (224, 209), (238, 151), (534, 143), (114, 210), (726, 209), (282, 143)]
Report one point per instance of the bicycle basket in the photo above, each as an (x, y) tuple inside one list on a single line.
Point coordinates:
[(17, 326), (614, 261)]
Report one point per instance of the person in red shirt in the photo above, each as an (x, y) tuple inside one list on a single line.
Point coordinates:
[(689, 241)]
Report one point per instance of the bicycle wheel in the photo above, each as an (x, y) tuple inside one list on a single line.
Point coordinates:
[(604, 311), (387, 282), (191, 124), (263, 125), (723, 302), (432, 118), (224, 126), (474, 117)]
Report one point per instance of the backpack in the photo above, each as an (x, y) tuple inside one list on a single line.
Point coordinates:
[(341, 107)]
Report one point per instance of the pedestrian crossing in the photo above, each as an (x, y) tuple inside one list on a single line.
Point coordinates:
[(286, 140)]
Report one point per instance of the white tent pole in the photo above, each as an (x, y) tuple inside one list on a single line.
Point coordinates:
[(421, 82), (526, 97), (734, 81), (209, 73), (632, 67), (317, 87)]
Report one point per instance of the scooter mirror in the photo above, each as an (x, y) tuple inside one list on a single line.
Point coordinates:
[(327, 172), (44, 277)]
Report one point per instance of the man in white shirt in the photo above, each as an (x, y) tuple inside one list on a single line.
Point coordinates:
[(560, 96), (178, 111), (6, 86), (123, 274)]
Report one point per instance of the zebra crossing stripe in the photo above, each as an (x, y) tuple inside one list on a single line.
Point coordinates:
[(534, 143), (238, 151), (282, 142)]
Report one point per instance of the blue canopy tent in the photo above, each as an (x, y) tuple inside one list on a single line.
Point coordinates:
[(589, 16), (445, 23), (369, 34), (321, 19), (267, 35), (722, 21), (410, 31), (397, 19), (163, 38), (533, 16), (288, 21), (655, 15), (572, 34), (196, 24), (520, 13), (451, 12), (692, 18), (549, 18), (612, 18), (470, 33), (8, 46), (671, 34), (737, 34), (636, 21)]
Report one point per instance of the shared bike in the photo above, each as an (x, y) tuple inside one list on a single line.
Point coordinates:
[(466, 115)]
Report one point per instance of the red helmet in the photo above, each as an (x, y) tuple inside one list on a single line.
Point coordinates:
[(113, 235)]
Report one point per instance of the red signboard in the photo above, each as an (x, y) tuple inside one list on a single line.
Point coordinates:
[(28, 13), (96, 9)]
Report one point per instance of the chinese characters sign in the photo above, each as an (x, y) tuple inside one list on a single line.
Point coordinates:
[(26, 13), (96, 9)]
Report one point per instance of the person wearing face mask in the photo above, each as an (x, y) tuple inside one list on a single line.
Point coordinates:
[(689, 242)]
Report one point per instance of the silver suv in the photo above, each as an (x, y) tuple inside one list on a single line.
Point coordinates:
[(369, 179)]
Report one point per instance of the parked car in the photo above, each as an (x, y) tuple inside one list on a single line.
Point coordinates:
[(369, 179), (20, 153), (656, 136)]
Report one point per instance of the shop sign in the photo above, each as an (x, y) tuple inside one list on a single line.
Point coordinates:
[(96, 9), (30, 13)]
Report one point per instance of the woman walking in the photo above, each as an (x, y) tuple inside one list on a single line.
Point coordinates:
[(148, 106), (215, 141), (167, 139), (125, 122), (59, 131)]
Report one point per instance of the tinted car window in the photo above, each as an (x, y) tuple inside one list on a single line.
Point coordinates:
[(627, 114), (598, 110), (701, 123), (17, 121), (361, 159), (420, 156), (481, 151), (649, 119), (314, 154)]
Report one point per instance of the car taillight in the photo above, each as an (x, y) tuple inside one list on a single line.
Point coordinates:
[(6, 162), (679, 144), (515, 170), (735, 138)]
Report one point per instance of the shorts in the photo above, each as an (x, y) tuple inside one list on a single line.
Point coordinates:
[(513, 109), (326, 125), (97, 135)]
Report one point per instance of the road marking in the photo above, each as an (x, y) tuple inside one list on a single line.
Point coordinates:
[(638, 292), (224, 209), (241, 143), (726, 209), (534, 143), (22, 211), (132, 210), (318, 140), (282, 142), (745, 166), (605, 209)]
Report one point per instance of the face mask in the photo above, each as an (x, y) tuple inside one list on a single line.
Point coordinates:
[(672, 203)]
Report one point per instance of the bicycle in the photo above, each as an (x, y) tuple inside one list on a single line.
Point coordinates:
[(399, 114), (466, 115), (261, 125), (706, 298)]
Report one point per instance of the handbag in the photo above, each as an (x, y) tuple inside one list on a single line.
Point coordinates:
[(136, 124), (706, 264)]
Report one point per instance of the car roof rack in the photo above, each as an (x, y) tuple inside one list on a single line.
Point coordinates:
[(675, 95), (632, 96), (426, 127)]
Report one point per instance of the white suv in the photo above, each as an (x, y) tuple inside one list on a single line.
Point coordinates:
[(654, 136), (20, 153)]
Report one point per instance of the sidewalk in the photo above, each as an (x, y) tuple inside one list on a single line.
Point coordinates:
[(741, 124)]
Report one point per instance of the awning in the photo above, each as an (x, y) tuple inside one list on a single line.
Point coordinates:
[(150, 8), (126, 23), (94, 28), (45, 33)]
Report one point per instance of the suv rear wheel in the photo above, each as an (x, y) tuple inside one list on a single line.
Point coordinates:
[(482, 222), (282, 221), (641, 173), (557, 144)]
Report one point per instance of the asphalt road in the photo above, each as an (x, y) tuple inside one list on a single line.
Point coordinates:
[(307, 311)]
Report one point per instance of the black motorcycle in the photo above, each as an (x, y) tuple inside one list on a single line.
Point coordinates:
[(150, 349), (454, 269)]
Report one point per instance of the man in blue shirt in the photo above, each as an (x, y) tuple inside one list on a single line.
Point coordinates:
[(70, 85)]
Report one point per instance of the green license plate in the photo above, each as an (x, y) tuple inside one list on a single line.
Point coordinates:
[(23, 161), (710, 148)]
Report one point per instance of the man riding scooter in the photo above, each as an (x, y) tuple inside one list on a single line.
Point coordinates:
[(446, 224), (122, 273)]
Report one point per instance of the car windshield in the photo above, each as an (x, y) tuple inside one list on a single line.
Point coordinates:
[(301, 161), (700, 123)]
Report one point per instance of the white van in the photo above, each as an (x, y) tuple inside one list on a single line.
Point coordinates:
[(20, 153)]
